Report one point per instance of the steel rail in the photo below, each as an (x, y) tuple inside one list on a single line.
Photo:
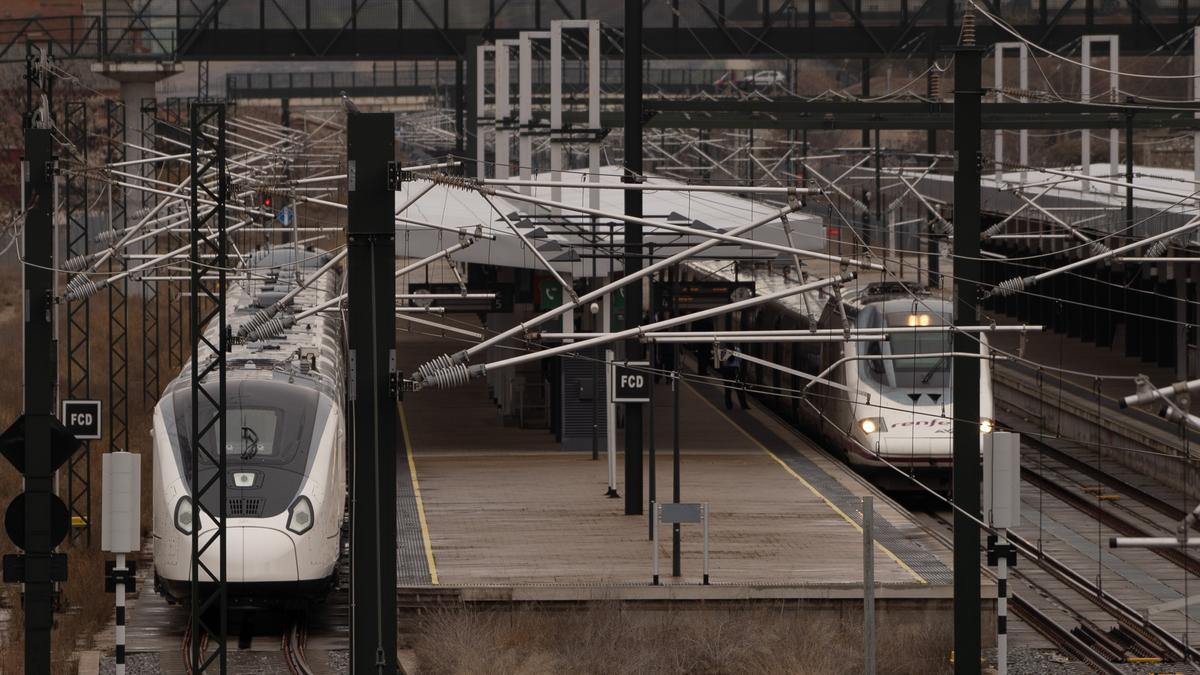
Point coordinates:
[(1108, 518), (293, 649)]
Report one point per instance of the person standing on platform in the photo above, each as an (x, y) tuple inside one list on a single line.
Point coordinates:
[(704, 350), (731, 372)]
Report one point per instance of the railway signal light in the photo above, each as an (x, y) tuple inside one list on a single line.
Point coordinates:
[(62, 446)]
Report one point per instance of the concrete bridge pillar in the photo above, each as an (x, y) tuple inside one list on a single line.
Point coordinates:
[(137, 80)]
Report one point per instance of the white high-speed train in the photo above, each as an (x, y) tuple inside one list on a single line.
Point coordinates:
[(891, 401), (285, 446)]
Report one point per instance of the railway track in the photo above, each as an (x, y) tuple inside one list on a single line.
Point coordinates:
[(185, 648), (1107, 517), (292, 643), (293, 649), (1133, 638), (1115, 504)]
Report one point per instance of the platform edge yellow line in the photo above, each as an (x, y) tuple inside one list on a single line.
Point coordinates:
[(811, 488), (412, 472)]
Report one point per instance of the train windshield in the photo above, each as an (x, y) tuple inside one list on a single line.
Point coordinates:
[(268, 424), (908, 359)]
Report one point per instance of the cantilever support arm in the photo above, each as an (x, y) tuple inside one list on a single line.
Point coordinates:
[(524, 327), (458, 373), (528, 244)]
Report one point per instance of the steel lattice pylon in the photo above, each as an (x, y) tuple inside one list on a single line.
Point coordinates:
[(202, 80), (172, 116), (75, 203), (118, 298), (209, 603), (150, 299)]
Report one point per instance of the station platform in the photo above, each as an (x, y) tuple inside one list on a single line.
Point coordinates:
[(504, 514)]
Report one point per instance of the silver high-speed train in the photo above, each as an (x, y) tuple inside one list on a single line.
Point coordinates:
[(891, 401), (285, 446), (881, 404)]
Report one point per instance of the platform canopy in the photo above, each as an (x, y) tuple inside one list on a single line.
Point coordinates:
[(1163, 198), (575, 243)]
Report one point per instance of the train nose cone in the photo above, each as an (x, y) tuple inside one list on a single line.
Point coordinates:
[(257, 554)]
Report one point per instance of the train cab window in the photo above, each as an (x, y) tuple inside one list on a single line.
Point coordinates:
[(932, 371), (257, 431), (910, 368), (269, 423)]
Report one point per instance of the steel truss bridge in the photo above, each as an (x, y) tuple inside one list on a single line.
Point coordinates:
[(201, 30)]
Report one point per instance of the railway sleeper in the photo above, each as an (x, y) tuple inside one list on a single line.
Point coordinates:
[(1138, 646), (1100, 642)]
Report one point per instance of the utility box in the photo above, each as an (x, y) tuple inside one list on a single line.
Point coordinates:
[(121, 502), (1002, 479), (584, 400)]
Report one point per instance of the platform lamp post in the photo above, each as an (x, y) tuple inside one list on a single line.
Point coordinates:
[(968, 96)]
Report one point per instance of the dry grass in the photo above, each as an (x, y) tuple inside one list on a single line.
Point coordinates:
[(607, 638)]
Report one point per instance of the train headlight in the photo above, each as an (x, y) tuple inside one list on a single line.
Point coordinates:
[(183, 515), (985, 426), (870, 425), (300, 516)]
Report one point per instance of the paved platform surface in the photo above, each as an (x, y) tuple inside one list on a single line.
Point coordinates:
[(505, 507)]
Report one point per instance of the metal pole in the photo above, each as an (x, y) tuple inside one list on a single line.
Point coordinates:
[(596, 409), (120, 621), (503, 142), (655, 517), (610, 408), (373, 439), (968, 96), (1002, 602), (1129, 168), (40, 375), (868, 530), (477, 111), (878, 220), (556, 111), (866, 93), (1114, 89), (634, 350), (676, 385), (460, 108), (1085, 96), (933, 85), (653, 479)]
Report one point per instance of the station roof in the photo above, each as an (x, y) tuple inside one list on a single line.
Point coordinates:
[(570, 241), (1163, 198)]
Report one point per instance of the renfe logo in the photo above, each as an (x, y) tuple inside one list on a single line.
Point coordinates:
[(82, 419), (935, 422)]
